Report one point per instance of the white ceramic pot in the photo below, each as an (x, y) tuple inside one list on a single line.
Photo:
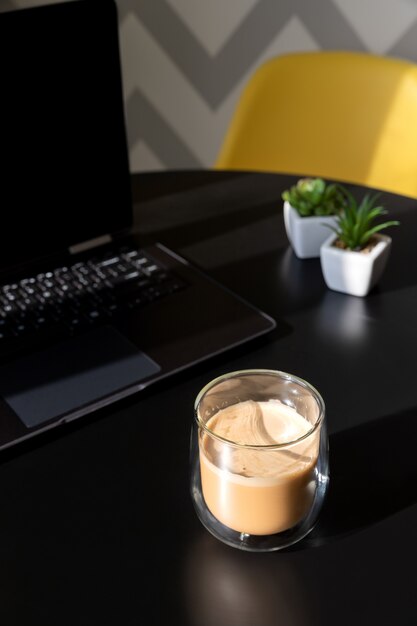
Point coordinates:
[(306, 234), (352, 272)]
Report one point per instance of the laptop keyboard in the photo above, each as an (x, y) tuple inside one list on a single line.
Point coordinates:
[(87, 293)]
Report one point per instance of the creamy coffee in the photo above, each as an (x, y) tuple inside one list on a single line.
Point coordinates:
[(254, 489)]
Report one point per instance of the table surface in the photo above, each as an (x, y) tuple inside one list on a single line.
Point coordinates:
[(97, 525)]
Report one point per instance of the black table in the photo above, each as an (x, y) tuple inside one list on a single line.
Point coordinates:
[(97, 525)]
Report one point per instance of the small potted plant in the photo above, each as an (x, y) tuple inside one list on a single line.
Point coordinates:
[(354, 257), (310, 207)]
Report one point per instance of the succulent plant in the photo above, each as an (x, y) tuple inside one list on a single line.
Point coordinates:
[(313, 196), (355, 225)]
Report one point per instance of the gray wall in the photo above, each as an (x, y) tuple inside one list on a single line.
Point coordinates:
[(185, 61)]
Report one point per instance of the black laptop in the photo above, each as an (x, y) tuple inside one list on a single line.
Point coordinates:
[(87, 316)]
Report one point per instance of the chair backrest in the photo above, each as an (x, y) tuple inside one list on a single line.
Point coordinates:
[(340, 115)]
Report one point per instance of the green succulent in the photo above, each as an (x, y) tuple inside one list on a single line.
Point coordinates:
[(313, 196), (355, 224)]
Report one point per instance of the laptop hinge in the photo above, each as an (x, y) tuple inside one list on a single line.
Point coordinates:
[(88, 245)]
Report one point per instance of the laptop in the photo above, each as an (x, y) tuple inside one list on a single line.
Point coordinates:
[(87, 315)]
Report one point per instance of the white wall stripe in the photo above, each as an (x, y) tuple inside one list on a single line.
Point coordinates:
[(185, 88), (213, 22)]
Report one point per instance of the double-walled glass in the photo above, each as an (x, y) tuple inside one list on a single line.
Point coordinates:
[(259, 458)]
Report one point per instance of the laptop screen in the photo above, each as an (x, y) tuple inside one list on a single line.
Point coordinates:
[(64, 175)]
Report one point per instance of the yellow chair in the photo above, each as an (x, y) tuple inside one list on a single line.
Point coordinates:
[(340, 115)]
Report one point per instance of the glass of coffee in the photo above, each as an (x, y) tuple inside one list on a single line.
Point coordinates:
[(259, 458)]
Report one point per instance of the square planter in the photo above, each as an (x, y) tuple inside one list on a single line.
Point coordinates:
[(352, 272), (306, 234)]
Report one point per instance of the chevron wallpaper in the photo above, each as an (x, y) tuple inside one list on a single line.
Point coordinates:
[(185, 61)]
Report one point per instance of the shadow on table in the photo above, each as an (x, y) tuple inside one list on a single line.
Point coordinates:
[(225, 586), (373, 474)]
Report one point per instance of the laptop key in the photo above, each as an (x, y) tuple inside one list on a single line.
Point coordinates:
[(73, 297)]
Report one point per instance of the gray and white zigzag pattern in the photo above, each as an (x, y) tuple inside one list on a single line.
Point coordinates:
[(180, 94)]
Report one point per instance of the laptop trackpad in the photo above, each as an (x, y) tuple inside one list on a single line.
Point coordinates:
[(71, 374)]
